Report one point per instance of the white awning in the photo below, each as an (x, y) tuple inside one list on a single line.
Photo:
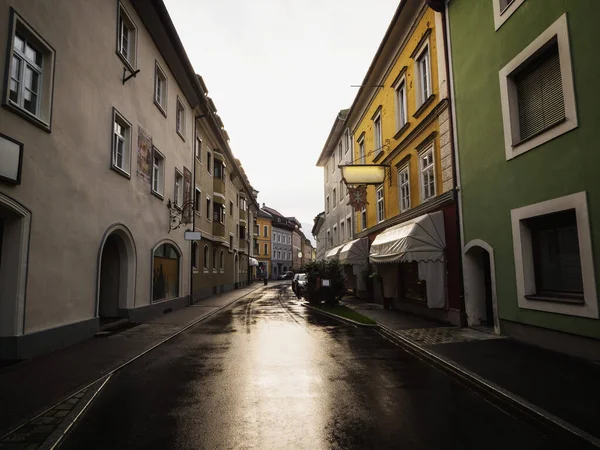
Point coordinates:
[(253, 262), (355, 252), (333, 253), (419, 239)]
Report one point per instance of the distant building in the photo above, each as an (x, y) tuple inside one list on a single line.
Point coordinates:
[(263, 243)]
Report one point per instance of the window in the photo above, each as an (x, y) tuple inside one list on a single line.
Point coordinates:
[(158, 172), (219, 169), (180, 119), (208, 209), (178, 190), (209, 162), (195, 255), (380, 210), (199, 149), (206, 263), (342, 231), (348, 140), (160, 89), (231, 242), (377, 134), (401, 118), (266, 231), (329, 241), (198, 201), (363, 218), (503, 9), (427, 174), (349, 228), (554, 264), (278, 254), (30, 74), (332, 164), (121, 145), (165, 276), (423, 77), (218, 213), (537, 94), (341, 191), (361, 150), (326, 172), (266, 246), (222, 261), (214, 258), (127, 38), (403, 189), (335, 235), (230, 208), (327, 204), (340, 152), (334, 198), (279, 238)]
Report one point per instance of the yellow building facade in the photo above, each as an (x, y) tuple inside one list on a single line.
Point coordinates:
[(262, 243), (400, 118)]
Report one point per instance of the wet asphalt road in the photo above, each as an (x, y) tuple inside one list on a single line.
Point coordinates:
[(267, 374)]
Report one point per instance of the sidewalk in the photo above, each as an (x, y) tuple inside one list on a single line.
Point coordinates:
[(29, 387), (565, 387)]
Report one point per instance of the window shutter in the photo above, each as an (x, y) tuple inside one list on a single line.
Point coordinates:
[(540, 94)]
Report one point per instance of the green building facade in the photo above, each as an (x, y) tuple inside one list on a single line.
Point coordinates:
[(524, 76)]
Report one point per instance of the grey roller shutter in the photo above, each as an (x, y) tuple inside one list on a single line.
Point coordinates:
[(540, 94)]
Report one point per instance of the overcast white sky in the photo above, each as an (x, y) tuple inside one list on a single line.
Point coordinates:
[(278, 72)]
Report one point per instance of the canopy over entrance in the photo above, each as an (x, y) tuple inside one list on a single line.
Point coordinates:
[(252, 262), (355, 252), (418, 239), (333, 253)]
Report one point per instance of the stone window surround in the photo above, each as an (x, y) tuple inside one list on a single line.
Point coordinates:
[(508, 96), (523, 255), (501, 16)]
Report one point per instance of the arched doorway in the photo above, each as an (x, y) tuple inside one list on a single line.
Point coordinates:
[(15, 224), (116, 274), (480, 286), (166, 270)]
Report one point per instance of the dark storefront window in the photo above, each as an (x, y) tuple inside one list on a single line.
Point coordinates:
[(411, 287), (165, 280)]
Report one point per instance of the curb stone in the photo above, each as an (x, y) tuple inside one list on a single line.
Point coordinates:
[(343, 319)]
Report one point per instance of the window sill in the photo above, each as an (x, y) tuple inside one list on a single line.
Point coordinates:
[(402, 130), (28, 116), (424, 106), (160, 108), (157, 194), (181, 135), (120, 171), (198, 160), (205, 271), (539, 133), (570, 299), (125, 61)]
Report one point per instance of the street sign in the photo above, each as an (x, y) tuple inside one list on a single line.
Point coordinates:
[(192, 235)]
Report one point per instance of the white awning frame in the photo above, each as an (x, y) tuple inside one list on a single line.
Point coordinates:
[(333, 253), (253, 262), (355, 252), (419, 239)]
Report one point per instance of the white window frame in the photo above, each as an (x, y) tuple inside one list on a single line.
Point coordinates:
[(340, 152), (401, 185), (401, 106), (199, 149), (377, 137), (508, 91), (45, 88), (158, 173), (361, 150), (523, 254), (126, 138), (501, 15), (348, 140), (178, 189), (266, 230), (198, 201), (124, 20), (421, 95), (380, 203), (363, 218), (430, 148), (160, 98), (180, 113)]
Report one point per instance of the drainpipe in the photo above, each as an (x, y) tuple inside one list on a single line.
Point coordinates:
[(455, 160)]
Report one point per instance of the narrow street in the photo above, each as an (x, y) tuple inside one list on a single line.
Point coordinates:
[(265, 373)]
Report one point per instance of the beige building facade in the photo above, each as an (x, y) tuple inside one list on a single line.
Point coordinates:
[(97, 145)]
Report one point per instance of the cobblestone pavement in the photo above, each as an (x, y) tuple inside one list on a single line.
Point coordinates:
[(445, 335)]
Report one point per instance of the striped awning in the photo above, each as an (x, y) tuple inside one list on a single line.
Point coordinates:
[(333, 253)]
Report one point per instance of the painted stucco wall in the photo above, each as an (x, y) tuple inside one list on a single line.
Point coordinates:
[(67, 182), (385, 99), (491, 185)]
